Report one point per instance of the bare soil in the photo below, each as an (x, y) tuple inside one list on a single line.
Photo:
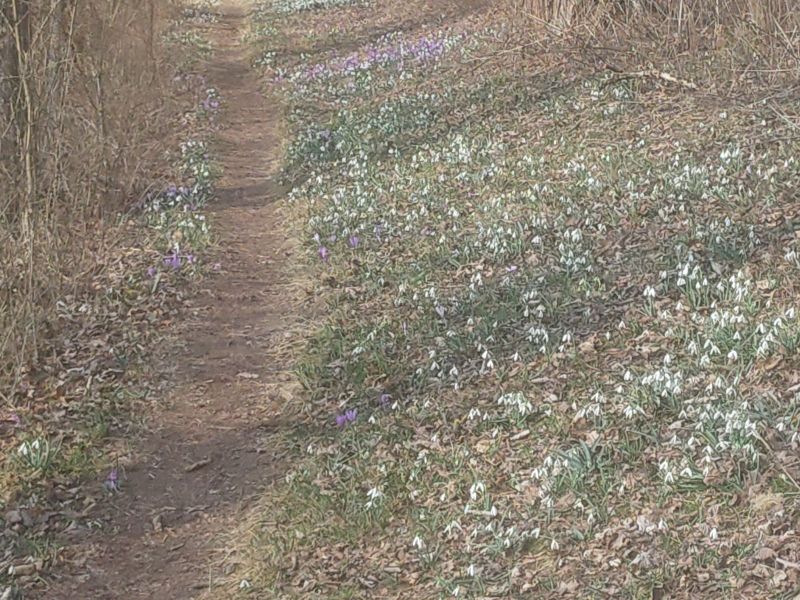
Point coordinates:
[(215, 441)]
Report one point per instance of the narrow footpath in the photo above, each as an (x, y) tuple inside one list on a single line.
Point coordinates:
[(215, 442)]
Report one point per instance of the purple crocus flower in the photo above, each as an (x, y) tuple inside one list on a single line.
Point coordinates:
[(323, 253), (173, 261), (112, 481), (151, 272), (15, 420), (378, 231), (349, 416), (354, 241), (384, 400)]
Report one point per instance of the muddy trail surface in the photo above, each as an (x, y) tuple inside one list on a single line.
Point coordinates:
[(213, 442)]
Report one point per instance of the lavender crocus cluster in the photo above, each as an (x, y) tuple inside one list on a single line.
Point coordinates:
[(425, 49), (211, 103), (171, 197), (347, 417), (175, 260)]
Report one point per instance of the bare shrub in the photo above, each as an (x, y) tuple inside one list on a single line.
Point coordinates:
[(80, 114)]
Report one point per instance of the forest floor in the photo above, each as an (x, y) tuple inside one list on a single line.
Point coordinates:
[(491, 319)]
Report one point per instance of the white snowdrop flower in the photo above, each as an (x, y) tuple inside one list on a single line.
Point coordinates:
[(713, 535), (667, 359), (454, 525), (554, 545), (627, 376), (476, 490), (649, 292), (471, 571), (418, 543), (373, 496), (732, 356)]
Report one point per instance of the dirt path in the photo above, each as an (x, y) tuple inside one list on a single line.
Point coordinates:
[(216, 439)]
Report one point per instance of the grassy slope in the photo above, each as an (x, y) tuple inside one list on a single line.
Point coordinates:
[(564, 309)]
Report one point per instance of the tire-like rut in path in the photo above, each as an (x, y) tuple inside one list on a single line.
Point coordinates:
[(216, 438)]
